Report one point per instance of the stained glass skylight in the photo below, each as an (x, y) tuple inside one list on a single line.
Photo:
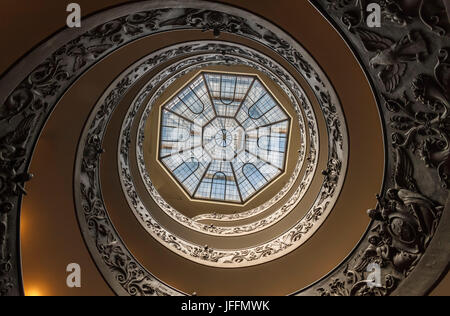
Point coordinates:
[(224, 137)]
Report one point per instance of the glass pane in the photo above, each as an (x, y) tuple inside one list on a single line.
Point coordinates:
[(224, 137)]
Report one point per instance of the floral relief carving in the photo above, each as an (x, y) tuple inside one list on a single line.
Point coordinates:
[(405, 220), (218, 22), (393, 12), (423, 125), (130, 275), (12, 185), (339, 4), (397, 244), (404, 223), (433, 14)]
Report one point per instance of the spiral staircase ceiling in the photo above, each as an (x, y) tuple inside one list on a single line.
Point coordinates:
[(196, 147)]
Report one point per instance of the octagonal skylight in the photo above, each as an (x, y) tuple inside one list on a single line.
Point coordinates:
[(224, 137)]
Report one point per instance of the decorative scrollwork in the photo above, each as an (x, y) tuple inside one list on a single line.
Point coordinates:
[(424, 125), (339, 4), (393, 12), (404, 223), (26, 108), (36, 96), (213, 20), (12, 156), (405, 219), (130, 275), (331, 174), (434, 15)]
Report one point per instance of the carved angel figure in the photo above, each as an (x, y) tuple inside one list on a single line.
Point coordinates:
[(393, 56)]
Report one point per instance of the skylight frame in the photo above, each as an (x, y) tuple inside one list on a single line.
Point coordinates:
[(214, 93)]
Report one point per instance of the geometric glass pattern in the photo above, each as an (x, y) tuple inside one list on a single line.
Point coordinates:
[(224, 137)]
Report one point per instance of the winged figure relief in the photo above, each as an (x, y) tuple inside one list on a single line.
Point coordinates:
[(392, 57)]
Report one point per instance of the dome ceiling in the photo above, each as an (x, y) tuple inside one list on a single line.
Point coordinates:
[(207, 145), (224, 137)]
